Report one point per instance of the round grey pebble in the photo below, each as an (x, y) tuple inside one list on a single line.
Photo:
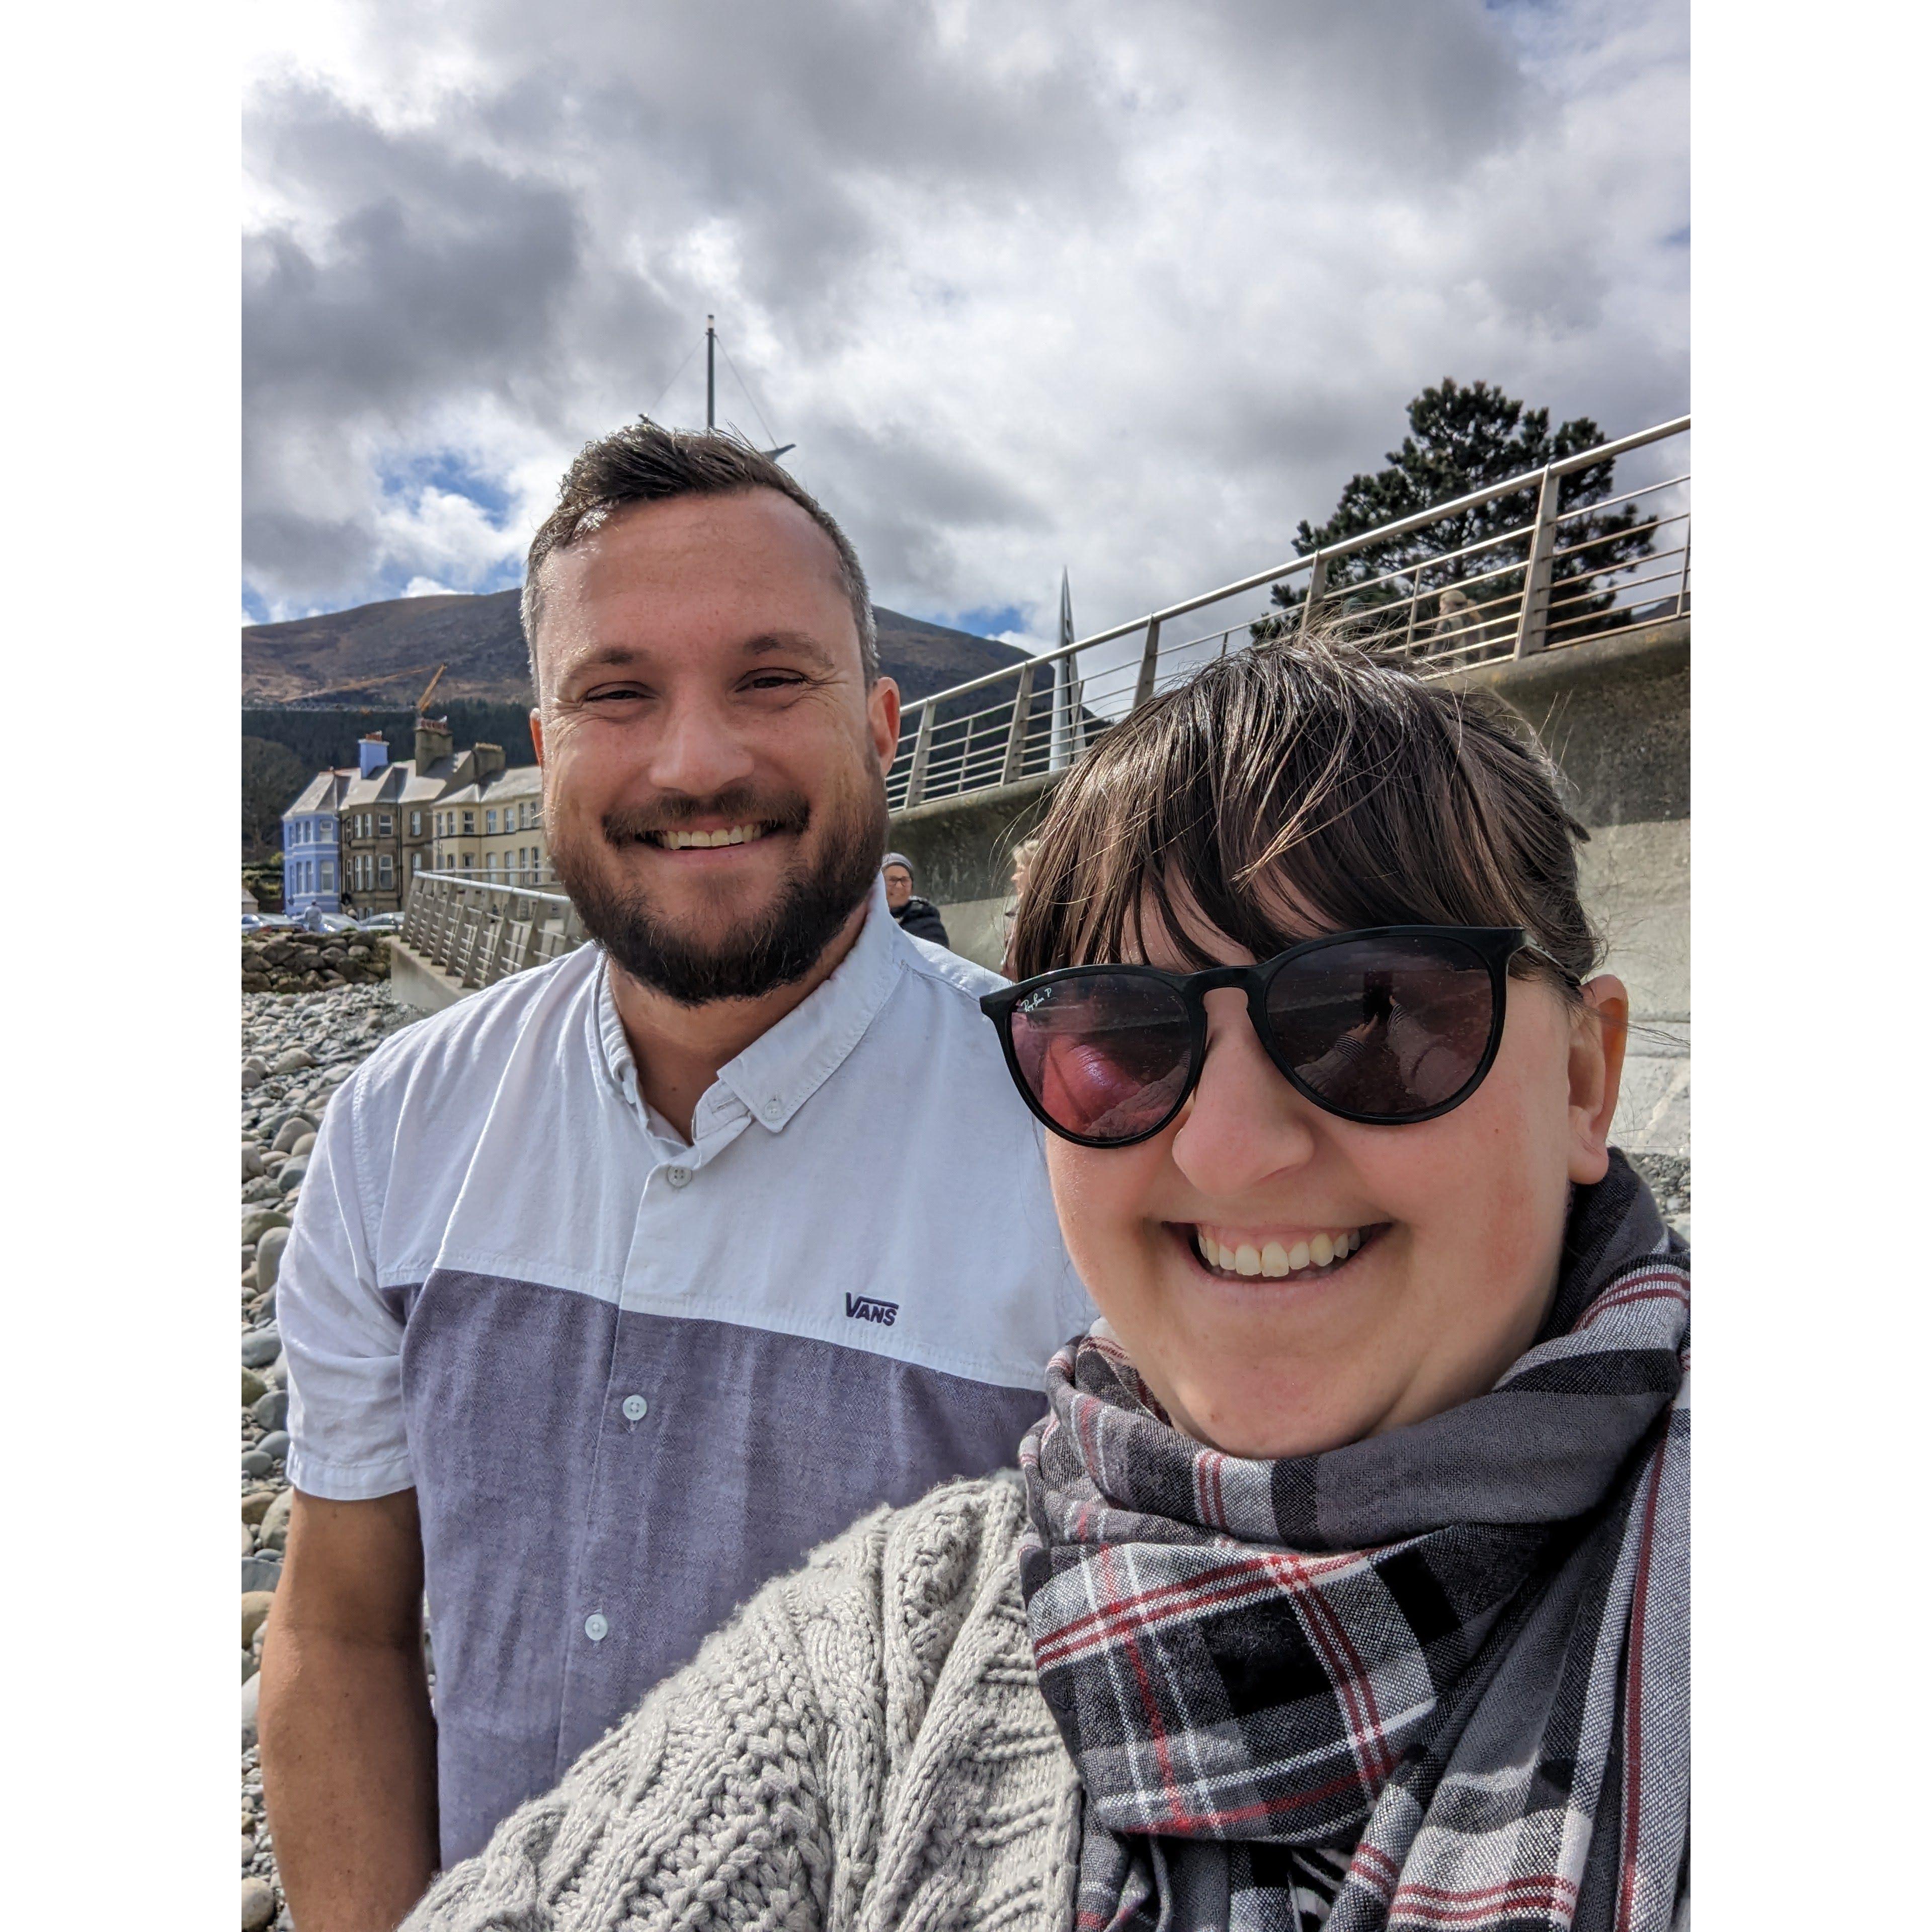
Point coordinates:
[(260, 1347), (269, 1256), (255, 1463), (271, 1411), (274, 1443), (258, 1905)]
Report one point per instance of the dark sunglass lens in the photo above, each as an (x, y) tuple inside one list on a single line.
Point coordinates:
[(1385, 1027), (1106, 1055)]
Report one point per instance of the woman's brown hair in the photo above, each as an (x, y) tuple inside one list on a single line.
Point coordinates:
[(1376, 797)]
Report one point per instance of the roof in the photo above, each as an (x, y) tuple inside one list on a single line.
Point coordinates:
[(504, 787), (381, 788), (323, 793), (421, 787)]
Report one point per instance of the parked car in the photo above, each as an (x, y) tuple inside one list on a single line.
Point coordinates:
[(262, 922), (383, 922)]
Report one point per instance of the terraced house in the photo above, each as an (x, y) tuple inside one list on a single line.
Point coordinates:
[(390, 812), (310, 846), (492, 828)]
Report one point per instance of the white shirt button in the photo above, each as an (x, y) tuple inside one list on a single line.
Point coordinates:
[(773, 1109), (596, 1627), (635, 1408), (678, 1176)]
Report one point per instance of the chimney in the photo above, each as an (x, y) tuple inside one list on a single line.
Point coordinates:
[(489, 761), (434, 741), (373, 751)]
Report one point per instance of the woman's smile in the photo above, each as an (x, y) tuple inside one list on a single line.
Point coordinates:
[(1296, 1252)]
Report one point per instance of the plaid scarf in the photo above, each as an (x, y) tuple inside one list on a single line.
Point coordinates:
[(1461, 1648)]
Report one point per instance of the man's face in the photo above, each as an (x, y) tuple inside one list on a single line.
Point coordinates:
[(713, 760), (898, 886)]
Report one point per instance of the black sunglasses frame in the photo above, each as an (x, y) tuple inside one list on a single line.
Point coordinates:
[(1495, 945)]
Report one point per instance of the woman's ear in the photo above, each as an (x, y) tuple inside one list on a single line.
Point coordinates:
[(1597, 1041)]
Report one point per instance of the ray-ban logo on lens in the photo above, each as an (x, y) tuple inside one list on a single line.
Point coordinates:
[(863, 1308)]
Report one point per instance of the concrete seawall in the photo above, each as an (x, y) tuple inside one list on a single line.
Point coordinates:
[(1614, 713)]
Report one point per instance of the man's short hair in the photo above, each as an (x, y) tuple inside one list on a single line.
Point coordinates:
[(643, 463)]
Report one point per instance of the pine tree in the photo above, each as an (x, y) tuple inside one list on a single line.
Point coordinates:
[(1410, 590)]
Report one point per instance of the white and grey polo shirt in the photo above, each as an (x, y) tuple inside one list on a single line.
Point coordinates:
[(630, 1378)]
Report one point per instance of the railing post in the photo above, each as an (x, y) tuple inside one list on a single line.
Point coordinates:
[(1683, 603), (1016, 733), (1059, 739), (921, 756), (1144, 684), (1318, 585), (1534, 620)]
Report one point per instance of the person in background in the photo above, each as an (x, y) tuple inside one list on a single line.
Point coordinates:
[(1346, 1582), (617, 1287), (919, 917), (1022, 864)]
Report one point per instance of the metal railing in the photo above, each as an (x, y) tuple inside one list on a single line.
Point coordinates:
[(481, 932), (1536, 563)]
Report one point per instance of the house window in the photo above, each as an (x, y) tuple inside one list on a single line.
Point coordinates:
[(416, 827), (470, 821), (328, 876), (490, 862), (386, 869), (490, 821), (466, 861), (415, 862), (385, 824)]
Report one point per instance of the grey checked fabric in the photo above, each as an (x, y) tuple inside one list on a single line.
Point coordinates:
[(1457, 1655)]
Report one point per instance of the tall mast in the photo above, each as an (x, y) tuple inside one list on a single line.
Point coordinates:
[(710, 372)]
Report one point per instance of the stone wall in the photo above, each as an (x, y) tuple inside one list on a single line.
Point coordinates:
[(285, 961)]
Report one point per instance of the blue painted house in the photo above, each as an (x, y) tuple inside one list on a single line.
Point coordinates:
[(311, 860)]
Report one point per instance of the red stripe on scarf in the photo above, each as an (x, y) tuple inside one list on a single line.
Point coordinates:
[(1365, 1720), (1664, 1283), (1415, 1905), (1634, 1698), (1247, 1574)]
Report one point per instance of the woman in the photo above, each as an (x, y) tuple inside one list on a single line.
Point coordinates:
[(1346, 1579)]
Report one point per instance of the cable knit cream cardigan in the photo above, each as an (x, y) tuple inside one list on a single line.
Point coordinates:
[(863, 1748)]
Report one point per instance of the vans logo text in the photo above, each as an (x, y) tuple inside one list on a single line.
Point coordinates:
[(863, 1308)]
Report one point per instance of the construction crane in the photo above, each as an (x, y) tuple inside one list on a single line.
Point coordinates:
[(422, 702), (381, 677)]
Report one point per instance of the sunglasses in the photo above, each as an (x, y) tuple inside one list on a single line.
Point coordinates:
[(1391, 1025)]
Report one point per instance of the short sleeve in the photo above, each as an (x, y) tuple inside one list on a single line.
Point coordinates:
[(343, 1337)]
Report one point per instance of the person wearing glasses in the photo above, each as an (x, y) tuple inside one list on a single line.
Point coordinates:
[(1346, 1580)]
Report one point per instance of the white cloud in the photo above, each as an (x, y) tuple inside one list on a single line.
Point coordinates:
[(1128, 288)]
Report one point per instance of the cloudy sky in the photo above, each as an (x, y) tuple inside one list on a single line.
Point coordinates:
[(1127, 288)]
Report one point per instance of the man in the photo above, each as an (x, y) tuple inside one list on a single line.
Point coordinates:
[(919, 917), (617, 1288)]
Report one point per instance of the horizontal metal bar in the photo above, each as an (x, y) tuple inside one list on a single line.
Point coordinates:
[(1382, 533), (1623, 496)]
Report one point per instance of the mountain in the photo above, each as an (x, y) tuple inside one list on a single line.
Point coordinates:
[(383, 654)]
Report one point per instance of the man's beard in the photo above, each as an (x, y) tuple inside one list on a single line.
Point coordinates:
[(777, 947)]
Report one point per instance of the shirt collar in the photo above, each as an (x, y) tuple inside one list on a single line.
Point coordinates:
[(788, 1063)]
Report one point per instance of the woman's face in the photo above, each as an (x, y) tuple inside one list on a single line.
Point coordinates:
[(1460, 1221)]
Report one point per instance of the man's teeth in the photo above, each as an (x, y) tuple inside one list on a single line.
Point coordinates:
[(684, 841), (1272, 1258)]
